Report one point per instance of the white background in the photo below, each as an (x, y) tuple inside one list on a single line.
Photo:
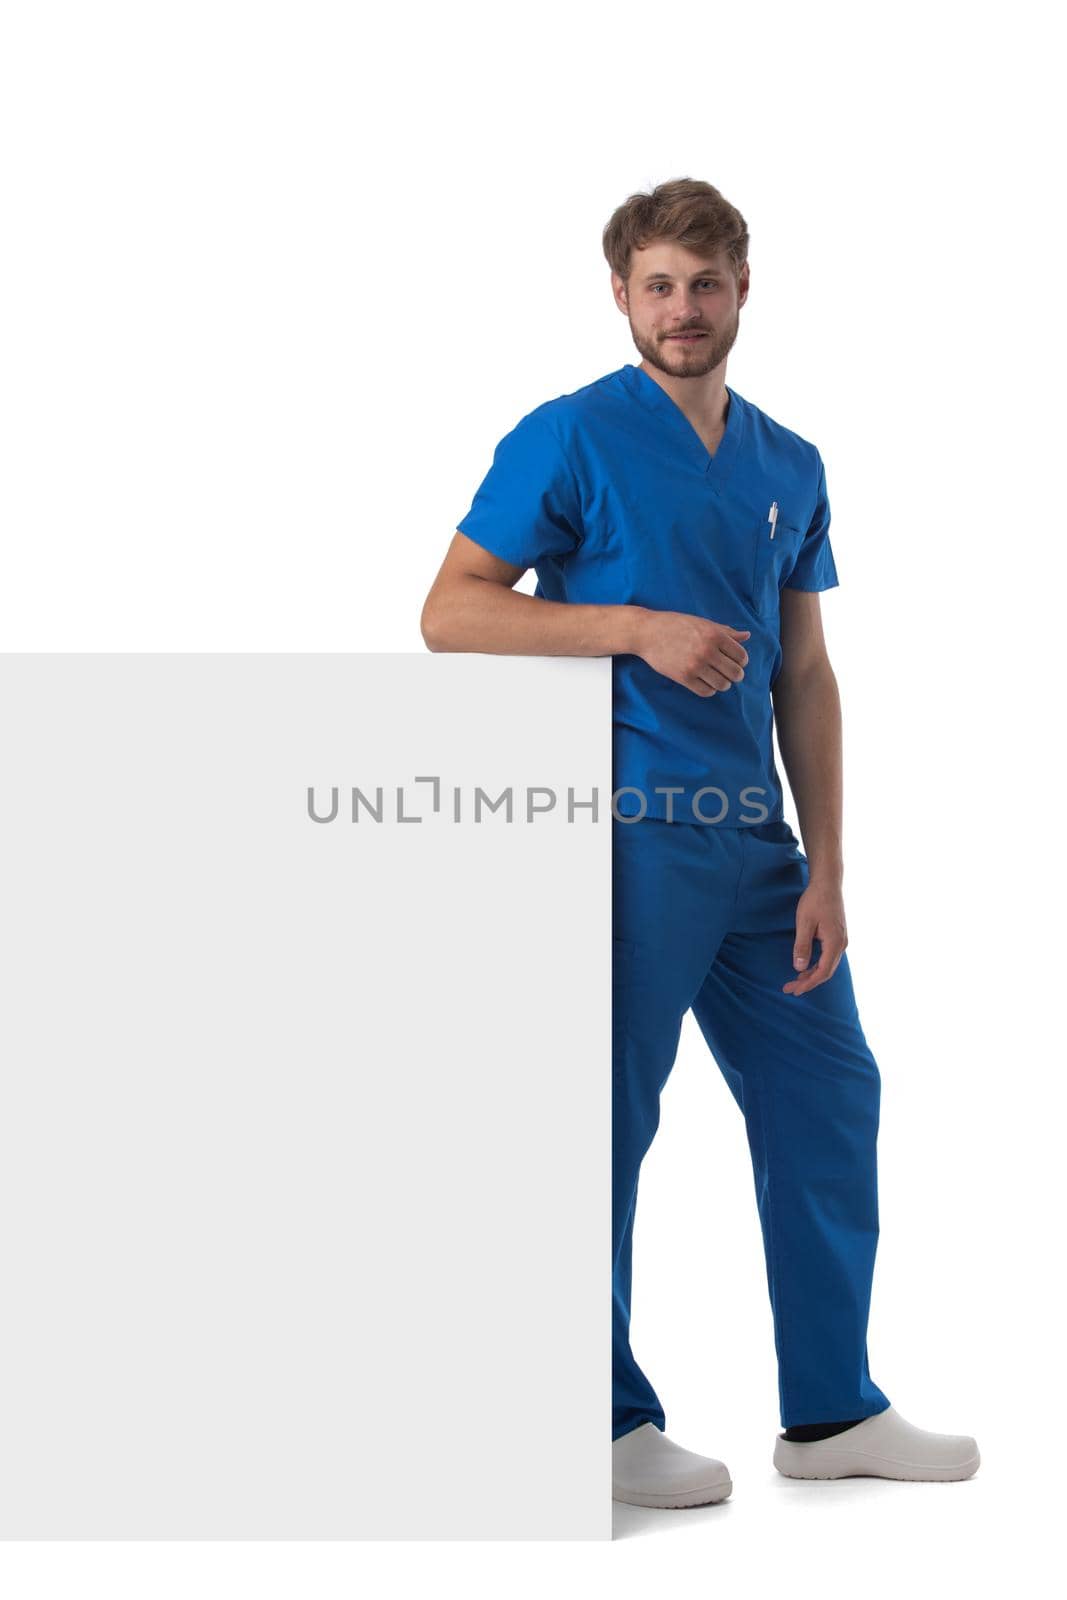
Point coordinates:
[(278, 277)]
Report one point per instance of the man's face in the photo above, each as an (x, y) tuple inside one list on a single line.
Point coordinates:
[(672, 291)]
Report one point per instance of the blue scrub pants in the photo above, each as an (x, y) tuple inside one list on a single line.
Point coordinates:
[(705, 917)]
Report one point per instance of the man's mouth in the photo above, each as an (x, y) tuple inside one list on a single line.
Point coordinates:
[(686, 338)]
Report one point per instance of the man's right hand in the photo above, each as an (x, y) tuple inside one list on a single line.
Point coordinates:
[(703, 656)]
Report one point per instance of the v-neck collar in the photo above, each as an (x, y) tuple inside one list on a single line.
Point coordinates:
[(652, 395)]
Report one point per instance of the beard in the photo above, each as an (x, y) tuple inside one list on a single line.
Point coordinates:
[(687, 360)]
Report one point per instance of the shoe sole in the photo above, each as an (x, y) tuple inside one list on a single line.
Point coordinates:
[(676, 1501), (851, 1466)]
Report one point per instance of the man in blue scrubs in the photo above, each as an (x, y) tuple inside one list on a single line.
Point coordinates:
[(680, 529)]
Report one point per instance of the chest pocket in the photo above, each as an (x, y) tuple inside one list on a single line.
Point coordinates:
[(772, 563)]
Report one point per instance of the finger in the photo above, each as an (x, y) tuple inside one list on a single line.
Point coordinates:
[(807, 980), (806, 930), (728, 666), (714, 678), (736, 652), (822, 972), (811, 979)]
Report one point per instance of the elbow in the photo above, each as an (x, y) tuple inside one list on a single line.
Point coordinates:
[(806, 680), (431, 625), (806, 667)]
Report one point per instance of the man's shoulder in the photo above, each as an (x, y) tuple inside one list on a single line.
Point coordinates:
[(787, 441), (577, 408)]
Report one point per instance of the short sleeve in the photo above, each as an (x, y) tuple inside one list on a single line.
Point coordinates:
[(814, 568), (527, 506)]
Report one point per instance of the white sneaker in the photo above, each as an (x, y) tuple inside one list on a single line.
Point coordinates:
[(648, 1469), (882, 1446)]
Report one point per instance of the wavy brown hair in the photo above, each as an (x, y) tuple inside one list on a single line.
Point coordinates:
[(686, 210)]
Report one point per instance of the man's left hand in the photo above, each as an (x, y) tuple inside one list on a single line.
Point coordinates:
[(820, 915)]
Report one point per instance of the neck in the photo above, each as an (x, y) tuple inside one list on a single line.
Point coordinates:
[(702, 397)]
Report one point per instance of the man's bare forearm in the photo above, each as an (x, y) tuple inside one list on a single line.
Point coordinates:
[(807, 714), (484, 616)]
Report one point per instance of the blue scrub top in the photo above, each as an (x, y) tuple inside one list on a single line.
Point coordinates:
[(612, 496)]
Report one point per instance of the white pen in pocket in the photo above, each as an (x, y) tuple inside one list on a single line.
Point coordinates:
[(772, 516)]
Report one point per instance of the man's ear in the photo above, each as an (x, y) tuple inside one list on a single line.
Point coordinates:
[(742, 286), (618, 289)]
